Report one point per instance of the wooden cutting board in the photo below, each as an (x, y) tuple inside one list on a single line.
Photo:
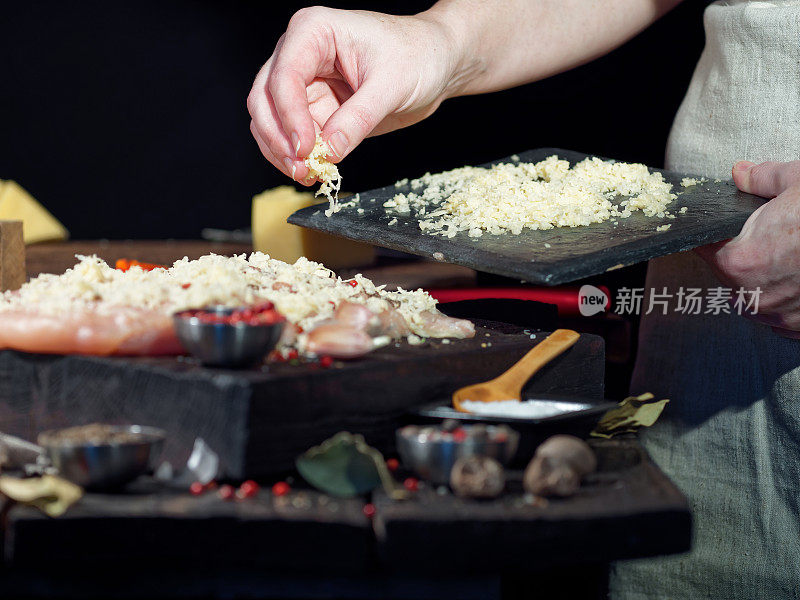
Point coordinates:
[(258, 420), (715, 211)]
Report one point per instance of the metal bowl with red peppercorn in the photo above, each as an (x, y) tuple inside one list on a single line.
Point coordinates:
[(229, 337), (431, 451)]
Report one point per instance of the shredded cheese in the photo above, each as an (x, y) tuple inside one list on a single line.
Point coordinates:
[(508, 198), (306, 292), (328, 174)]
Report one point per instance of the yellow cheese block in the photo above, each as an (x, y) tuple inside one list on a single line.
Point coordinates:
[(38, 225), (274, 236)]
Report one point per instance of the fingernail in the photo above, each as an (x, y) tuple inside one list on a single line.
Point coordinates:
[(296, 142), (338, 144), (743, 165), (290, 168)]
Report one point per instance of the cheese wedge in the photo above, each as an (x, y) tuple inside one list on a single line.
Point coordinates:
[(274, 236), (38, 225)]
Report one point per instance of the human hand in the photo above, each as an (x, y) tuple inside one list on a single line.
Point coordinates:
[(766, 253), (350, 74)]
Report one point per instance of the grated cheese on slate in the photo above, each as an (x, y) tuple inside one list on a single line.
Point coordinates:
[(508, 198)]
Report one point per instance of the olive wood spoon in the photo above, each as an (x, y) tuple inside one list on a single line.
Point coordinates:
[(508, 386)]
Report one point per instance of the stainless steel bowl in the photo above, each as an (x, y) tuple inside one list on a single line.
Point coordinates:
[(105, 465), (429, 452), (225, 345)]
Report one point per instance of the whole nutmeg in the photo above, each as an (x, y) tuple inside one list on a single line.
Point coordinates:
[(477, 477), (558, 466)]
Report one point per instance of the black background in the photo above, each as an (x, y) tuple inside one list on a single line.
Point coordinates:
[(128, 120)]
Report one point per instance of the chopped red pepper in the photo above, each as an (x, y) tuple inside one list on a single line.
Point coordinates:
[(325, 362), (352, 283), (123, 264), (261, 314), (186, 286), (226, 492), (369, 510), (196, 488), (392, 464)]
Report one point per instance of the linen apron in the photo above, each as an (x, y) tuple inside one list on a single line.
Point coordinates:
[(730, 437)]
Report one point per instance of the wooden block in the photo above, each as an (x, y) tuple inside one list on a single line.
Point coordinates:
[(12, 255)]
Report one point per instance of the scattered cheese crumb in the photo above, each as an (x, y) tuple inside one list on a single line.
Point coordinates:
[(393, 221), (683, 209), (401, 183), (415, 340), (690, 181), (328, 173), (508, 198), (663, 227), (546, 245)]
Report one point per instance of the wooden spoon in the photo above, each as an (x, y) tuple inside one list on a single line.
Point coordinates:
[(508, 386)]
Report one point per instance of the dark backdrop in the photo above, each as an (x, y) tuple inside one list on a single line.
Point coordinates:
[(128, 120)]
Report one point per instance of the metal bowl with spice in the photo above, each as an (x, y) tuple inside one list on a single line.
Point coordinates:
[(229, 337), (98, 456), (431, 451)]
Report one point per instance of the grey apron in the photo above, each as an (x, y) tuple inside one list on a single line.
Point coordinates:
[(730, 438)]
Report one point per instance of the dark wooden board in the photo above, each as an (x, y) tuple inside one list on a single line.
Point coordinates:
[(304, 532), (258, 420), (629, 508), (715, 211)]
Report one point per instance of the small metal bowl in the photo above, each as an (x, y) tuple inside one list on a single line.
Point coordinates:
[(431, 451), (104, 465), (223, 344)]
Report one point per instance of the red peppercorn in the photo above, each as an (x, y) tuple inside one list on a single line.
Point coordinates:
[(352, 283), (392, 464), (249, 488), (196, 488), (411, 484), (369, 510), (325, 362), (226, 492), (280, 489)]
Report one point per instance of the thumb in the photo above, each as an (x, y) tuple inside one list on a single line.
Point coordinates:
[(767, 179), (357, 117)]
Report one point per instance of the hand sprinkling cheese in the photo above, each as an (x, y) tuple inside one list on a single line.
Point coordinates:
[(328, 174)]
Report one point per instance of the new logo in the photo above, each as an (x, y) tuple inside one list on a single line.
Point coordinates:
[(592, 300)]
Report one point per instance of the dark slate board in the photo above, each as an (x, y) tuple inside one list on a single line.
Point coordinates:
[(716, 211), (258, 420)]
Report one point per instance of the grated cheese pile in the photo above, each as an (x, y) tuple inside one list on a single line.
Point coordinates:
[(508, 198), (305, 292), (328, 173)]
